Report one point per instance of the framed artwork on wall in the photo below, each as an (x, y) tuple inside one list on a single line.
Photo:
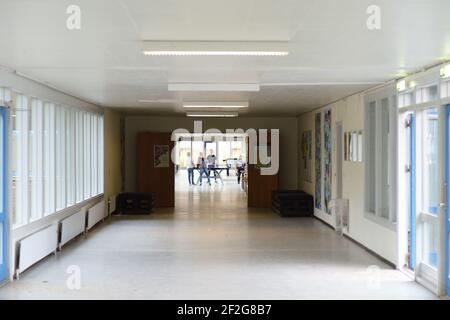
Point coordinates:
[(161, 156), (353, 146), (307, 155), (327, 144), (318, 161)]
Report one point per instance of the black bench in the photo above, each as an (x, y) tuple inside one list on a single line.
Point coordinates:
[(292, 203), (135, 203)]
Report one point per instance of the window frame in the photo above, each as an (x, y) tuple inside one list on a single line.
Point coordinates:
[(391, 166), (48, 157)]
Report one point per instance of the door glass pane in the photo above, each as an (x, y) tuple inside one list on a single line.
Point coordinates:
[(1, 165), (430, 154), (1, 243), (2, 214), (429, 243)]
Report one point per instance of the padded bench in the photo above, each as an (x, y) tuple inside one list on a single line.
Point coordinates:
[(135, 203), (292, 203)]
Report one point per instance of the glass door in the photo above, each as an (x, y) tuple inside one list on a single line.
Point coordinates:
[(3, 224), (427, 203)]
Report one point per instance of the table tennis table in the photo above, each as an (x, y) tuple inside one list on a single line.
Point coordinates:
[(216, 170)]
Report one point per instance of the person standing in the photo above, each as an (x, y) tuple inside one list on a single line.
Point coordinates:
[(201, 164), (211, 159), (240, 166), (190, 169)]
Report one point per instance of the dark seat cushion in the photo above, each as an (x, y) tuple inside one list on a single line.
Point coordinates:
[(292, 203), (135, 203)]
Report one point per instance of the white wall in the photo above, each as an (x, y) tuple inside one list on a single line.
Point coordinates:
[(113, 154), (374, 236), (288, 140)]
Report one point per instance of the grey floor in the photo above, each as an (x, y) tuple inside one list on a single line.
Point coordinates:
[(213, 247)]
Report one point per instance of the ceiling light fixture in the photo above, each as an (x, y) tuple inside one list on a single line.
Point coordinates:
[(158, 100), (216, 105), (212, 114), (215, 48), (251, 87), (445, 71), (401, 85)]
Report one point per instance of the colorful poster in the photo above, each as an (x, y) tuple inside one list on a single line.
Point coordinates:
[(306, 155), (327, 160), (318, 161), (161, 156)]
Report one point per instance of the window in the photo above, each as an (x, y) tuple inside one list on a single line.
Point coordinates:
[(385, 156), (20, 196), (445, 89), (184, 146), (370, 156), (405, 99), (224, 151), (87, 156), (379, 160), (36, 162), (60, 157), (70, 157), (49, 158), (426, 94), (57, 158), (79, 158), (100, 159)]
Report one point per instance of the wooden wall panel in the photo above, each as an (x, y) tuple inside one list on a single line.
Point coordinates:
[(161, 181)]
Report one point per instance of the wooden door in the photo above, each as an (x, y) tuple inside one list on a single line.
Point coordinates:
[(260, 187), (155, 169)]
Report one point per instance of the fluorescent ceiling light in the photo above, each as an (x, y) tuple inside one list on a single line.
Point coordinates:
[(213, 87), (212, 114), (215, 48), (158, 100), (220, 105)]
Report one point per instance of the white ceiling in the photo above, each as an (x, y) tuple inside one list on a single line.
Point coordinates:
[(328, 43)]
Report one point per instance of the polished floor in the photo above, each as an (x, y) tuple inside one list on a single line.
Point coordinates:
[(212, 247)]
